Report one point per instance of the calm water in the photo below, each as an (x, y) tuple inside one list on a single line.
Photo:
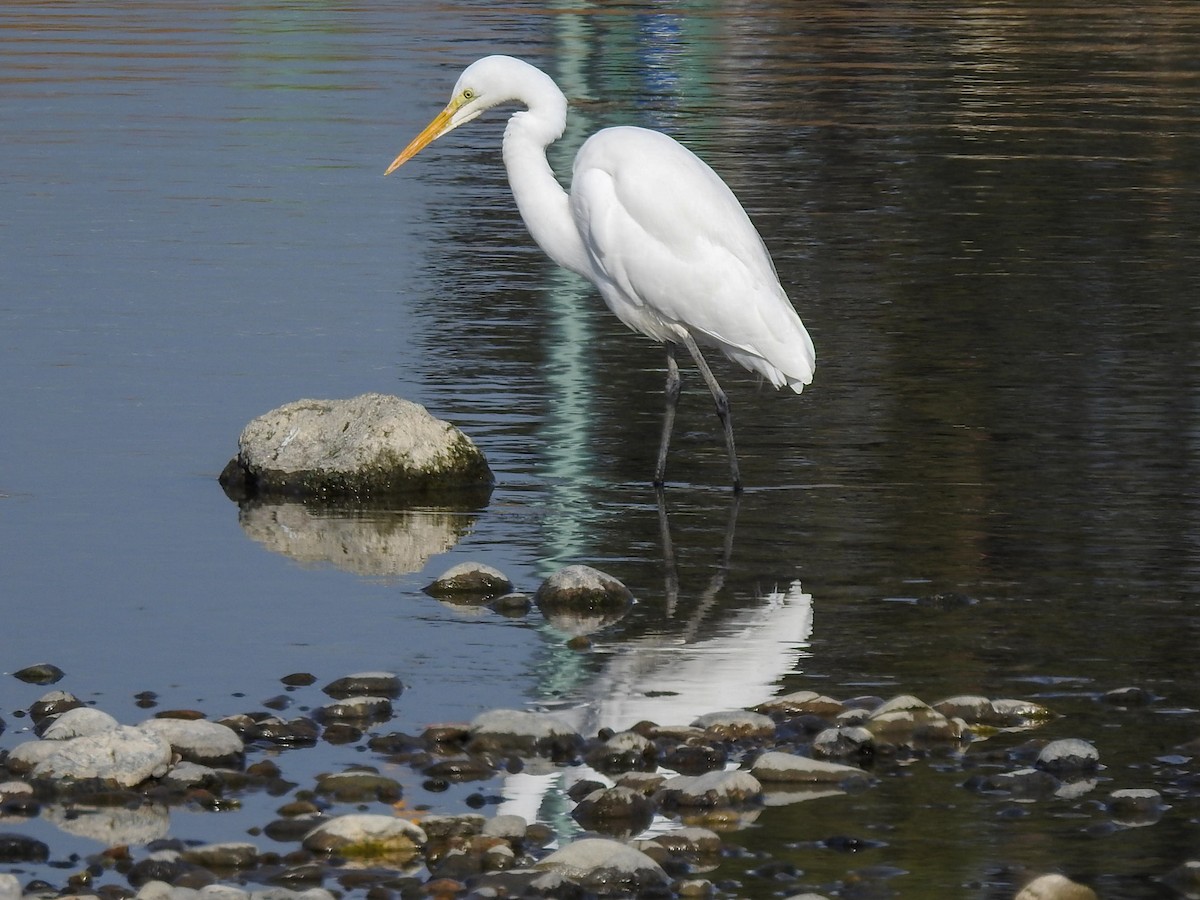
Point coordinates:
[(987, 218)]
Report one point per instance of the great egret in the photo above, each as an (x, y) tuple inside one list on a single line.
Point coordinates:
[(664, 239)]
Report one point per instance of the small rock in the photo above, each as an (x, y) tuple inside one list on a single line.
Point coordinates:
[(356, 709), (801, 703), (1055, 887), (199, 740), (365, 684), (20, 848), (723, 788), (690, 840), (39, 673), (470, 580), (575, 588), (1185, 878), (225, 856), (511, 828), (1135, 806), (10, 887), (1129, 696), (364, 836), (604, 864), (52, 704), (736, 725), (843, 742), (624, 752), (777, 767), (1068, 756), (359, 787), (614, 810), (513, 730), (905, 719)]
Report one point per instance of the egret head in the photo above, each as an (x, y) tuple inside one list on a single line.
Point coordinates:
[(485, 83)]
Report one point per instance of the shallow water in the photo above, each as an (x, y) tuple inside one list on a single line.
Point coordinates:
[(986, 218)]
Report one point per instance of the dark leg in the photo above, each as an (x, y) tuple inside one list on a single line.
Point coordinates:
[(674, 385), (722, 407)]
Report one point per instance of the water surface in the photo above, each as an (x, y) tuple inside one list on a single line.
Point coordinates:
[(986, 217)]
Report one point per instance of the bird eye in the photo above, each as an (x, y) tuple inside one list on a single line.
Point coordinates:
[(468, 94)]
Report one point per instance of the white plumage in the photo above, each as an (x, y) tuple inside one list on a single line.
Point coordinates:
[(662, 237)]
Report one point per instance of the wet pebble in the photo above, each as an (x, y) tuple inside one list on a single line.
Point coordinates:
[(1070, 756), (736, 725), (723, 788), (520, 731), (356, 709), (1055, 887), (1134, 806), (623, 752), (581, 588), (17, 848), (40, 673), (198, 740), (615, 810), (473, 581), (366, 836), (359, 786), (52, 704), (600, 864), (778, 767), (365, 684)]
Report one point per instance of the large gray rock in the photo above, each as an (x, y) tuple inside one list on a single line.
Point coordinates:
[(370, 446), (124, 756)]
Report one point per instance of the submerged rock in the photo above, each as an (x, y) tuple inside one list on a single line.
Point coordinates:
[(370, 446)]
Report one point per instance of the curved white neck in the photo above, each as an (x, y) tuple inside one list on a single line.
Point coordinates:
[(543, 203)]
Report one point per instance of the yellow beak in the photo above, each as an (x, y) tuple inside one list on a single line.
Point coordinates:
[(434, 130)]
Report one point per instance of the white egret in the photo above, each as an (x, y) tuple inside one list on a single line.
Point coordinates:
[(661, 236)]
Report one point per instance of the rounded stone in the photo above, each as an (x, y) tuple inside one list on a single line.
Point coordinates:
[(40, 673), (373, 445), (582, 588), (736, 725), (604, 864), (1055, 887), (722, 788), (1068, 756), (775, 766), (470, 579), (198, 740), (365, 684), (366, 836)]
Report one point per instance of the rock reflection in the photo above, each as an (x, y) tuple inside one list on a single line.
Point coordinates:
[(371, 542), (133, 825)]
